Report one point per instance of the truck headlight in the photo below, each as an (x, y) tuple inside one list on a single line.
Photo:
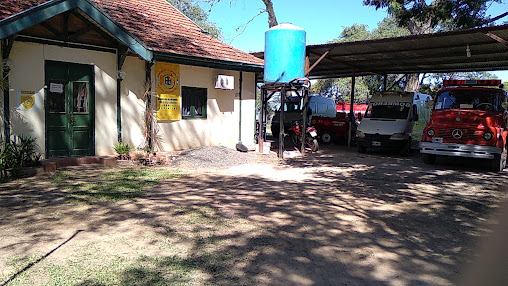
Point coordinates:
[(397, 136), (431, 132), (360, 134), (487, 135)]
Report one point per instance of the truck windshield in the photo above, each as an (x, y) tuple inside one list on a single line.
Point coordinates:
[(479, 99), (388, 110)]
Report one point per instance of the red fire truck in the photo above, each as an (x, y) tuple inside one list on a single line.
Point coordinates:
[(468, 120), (331, 129)]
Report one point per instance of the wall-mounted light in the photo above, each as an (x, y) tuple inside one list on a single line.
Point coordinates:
[(468, 51), (7, 65), (121, 75)]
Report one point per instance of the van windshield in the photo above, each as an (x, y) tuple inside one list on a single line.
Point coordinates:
[(388, 110), (479, 99)]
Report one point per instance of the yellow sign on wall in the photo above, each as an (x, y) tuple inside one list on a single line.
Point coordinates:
[(168, 91), (168, 107)]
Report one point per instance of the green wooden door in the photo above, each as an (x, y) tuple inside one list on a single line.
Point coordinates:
[(69, 109)]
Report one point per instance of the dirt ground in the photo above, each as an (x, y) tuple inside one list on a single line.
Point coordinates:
[(331, 218)]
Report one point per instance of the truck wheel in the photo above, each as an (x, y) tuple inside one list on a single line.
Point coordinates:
[(327, 137), (499, 161), (429, 159), (360, 148)]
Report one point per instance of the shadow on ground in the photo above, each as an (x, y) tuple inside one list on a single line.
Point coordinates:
[(330, 218)]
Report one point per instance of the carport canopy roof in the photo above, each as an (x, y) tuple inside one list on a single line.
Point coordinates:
[(480, 49)]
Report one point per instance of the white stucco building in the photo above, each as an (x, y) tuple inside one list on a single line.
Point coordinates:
[(81, 72)]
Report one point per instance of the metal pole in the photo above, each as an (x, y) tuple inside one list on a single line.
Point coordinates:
[(261, 120), (305, 108), (351, 108), (240, 109), (385, 79), (281, 130)]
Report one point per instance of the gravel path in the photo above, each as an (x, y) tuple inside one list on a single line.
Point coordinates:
[(218, 157)]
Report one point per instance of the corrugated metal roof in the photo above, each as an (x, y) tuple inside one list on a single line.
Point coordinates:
[(439, 52)]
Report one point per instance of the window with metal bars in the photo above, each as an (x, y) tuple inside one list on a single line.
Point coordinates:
[(193, 102)]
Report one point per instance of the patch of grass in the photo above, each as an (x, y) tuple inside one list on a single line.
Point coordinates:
[(115, 185)]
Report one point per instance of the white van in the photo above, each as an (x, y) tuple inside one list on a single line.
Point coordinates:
[(394, 120), (318, 105)]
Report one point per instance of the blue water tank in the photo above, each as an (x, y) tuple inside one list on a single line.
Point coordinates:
[(284, 53)]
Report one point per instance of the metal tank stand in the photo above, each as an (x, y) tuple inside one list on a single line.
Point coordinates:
[(300, 87)]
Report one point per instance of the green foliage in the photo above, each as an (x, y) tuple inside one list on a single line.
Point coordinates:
[(452, 14), (353, 33), (199, 16), (365, 86), (123, 150), (17, 154)]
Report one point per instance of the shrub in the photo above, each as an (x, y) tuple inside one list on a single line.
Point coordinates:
[(17, 154), (122, 150)]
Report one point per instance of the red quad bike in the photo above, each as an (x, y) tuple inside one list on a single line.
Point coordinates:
[(310, 136)]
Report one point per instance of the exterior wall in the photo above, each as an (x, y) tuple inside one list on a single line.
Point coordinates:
[(28, 74), (221, 127)]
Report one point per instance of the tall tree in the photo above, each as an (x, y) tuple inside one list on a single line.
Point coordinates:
[(197, 15), (365, 85), (272, 19), (420, 15)]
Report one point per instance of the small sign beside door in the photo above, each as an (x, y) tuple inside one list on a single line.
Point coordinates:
[(56, 87)]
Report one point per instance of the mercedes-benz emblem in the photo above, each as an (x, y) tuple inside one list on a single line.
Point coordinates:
[(457, 134)]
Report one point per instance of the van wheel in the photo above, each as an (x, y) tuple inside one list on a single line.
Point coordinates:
[(499, 161), (360, 148), (429, 159), (327, 137)]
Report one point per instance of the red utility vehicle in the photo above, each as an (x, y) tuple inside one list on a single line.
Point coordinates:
[(331, 129), (468, 120)]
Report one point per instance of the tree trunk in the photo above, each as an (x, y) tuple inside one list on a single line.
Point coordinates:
[(413, 83), (272, 20)]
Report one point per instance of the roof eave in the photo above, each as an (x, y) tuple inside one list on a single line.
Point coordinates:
[(33, 16), (206, 62)]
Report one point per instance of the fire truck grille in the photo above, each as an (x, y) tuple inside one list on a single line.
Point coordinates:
[(448, 134)]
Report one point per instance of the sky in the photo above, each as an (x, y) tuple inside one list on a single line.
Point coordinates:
[(323, 20)]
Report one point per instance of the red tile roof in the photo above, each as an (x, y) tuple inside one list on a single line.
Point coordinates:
[(157, 24)]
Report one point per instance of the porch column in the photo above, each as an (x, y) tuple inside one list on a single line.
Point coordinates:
[(120, 59), (351, 108), (148, 101), (6, 50)]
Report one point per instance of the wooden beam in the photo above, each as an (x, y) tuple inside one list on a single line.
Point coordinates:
[(81, 32), (67, 16), (317, 62), (497, 38), (54, 31)]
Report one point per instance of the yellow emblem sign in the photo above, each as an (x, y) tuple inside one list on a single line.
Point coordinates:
[(168, 91), (28, 101)]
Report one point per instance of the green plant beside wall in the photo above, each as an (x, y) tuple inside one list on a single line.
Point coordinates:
[(16, 155), (123, 150)]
